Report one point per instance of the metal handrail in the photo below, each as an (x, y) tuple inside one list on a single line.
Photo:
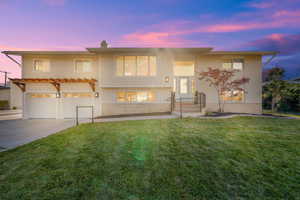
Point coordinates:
[(199, 98), (77, 107)]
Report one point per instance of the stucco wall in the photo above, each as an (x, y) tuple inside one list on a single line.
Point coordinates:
[(252, 69), (61, 66), (110, 106)]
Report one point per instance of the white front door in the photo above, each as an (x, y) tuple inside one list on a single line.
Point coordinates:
[(184, 86)]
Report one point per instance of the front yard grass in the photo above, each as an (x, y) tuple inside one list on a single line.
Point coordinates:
[(285, 114), (238, 158)]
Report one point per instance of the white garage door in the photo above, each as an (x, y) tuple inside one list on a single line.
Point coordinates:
[(71, 100), (41, 105)]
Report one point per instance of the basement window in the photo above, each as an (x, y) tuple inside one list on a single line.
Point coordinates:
[(234, 95), (133, 96), (77, 95), (42, 95)]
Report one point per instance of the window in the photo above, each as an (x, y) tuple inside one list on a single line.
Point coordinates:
[(41, 65), (183, 86), (236, 64), (234, 95), (42, 95), (77, 95), (136, 66), (174, 84), (142, 66), (130, 66), (121, 96), (83, 66), (193, 86), (184, 68), (132, 96)]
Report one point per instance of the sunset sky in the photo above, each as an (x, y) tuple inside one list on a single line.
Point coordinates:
[(222, 24)]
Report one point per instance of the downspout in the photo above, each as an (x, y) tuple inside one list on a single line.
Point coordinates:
[(14, 60)]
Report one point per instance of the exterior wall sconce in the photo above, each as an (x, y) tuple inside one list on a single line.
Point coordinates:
[(167, 79), (58, 95), (96, 94)]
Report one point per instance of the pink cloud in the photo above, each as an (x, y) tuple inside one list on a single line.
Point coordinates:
[(154, 39), (287, 13), (276, 36), (230, 27)]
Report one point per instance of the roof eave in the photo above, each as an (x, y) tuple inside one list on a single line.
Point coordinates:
[(20, 53), (263, 53)]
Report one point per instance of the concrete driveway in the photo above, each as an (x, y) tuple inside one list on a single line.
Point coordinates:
[(16, 132)]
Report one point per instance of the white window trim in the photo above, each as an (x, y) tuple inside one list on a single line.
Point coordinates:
[(235, 101), (133, 102), (82, 59), (43, 59), (232, 61), (123, 76)]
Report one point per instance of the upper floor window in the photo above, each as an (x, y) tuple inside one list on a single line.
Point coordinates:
[(41, 65), (83, 66), (236, 64), (184, 68), (136, 66)]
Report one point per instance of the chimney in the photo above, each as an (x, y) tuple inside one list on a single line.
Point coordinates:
[(104, 44)]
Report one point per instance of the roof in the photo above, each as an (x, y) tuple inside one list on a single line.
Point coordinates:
[(136, 49), (92, 51), (19, 53), (263, 53)]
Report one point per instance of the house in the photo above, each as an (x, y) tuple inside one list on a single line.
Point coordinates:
[(118, 81)]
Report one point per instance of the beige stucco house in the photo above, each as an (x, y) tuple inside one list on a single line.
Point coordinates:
[(118, 81)]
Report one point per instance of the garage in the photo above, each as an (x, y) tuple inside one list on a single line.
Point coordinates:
[(41, 105), (72, 99)]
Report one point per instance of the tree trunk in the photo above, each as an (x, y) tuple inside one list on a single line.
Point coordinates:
[(274, 102), (219, 102)]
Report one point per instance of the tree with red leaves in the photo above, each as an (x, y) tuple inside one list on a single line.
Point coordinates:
[(223, 81)]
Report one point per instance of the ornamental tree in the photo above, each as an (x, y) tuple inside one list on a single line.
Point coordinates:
[(223, 81)]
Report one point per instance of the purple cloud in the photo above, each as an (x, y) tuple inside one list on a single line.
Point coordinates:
[(285, 44)]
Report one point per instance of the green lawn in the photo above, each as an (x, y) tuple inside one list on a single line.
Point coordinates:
[(238, 158), (286, 114)]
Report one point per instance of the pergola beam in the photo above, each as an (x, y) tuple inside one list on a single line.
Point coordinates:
[(21, 83)]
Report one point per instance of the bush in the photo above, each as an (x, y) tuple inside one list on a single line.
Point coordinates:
[(4, 105)]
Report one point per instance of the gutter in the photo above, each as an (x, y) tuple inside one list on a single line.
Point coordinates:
[(14, 60)]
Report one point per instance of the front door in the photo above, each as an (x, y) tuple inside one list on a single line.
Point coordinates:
[(184, 86)]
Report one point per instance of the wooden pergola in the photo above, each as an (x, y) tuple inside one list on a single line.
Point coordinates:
[(56, 82)]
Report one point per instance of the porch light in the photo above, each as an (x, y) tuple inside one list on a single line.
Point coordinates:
[(58, 95), (96, 94), (167, 79)]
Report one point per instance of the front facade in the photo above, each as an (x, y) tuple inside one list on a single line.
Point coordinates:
[(122, 81)]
